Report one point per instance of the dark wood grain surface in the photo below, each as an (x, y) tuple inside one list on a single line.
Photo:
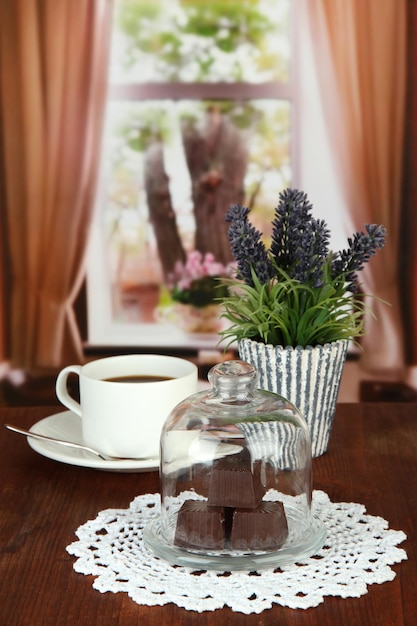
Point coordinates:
[(372, 459)]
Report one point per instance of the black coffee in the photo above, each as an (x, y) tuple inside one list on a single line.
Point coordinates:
[(138, 379)]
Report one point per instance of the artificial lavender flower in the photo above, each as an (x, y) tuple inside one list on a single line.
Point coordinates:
[(299, 242), (308, 267), (300, 246), (347, 263), (247, 248), (295, 292)]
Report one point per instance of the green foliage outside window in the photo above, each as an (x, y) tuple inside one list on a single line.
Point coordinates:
[(192, 39)]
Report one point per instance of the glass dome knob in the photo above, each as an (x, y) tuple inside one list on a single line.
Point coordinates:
[(233, 380)]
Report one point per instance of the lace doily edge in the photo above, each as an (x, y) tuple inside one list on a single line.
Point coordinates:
[(142, 595)]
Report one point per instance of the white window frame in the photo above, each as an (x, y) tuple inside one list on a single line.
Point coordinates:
[(312, 171)]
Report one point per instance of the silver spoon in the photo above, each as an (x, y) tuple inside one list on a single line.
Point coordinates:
[(70, 444)]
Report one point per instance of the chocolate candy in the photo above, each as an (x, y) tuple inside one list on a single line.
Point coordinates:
[(234, 484), (263, 528), (200, 526), (234, 516)]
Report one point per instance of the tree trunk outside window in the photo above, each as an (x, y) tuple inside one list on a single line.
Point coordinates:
[(217, 161)]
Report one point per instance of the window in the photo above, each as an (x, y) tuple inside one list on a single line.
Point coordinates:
[(202, 113)]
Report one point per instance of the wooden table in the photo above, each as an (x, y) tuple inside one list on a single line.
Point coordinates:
[(372, 459)]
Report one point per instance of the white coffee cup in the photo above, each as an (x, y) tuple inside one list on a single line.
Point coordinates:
[(125, 419)]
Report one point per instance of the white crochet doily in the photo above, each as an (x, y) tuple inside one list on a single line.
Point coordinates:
[(358, 552)]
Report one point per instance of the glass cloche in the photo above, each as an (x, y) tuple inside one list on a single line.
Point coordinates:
[(235, 478)]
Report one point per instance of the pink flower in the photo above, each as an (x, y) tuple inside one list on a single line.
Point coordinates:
[(195, 268), (184, 283)]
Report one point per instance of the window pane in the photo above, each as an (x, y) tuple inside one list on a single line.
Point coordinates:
[(201, 41), (181, 158)]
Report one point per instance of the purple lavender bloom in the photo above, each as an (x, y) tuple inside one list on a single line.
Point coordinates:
[(288, 226), (247, 248), (347, 263), (309, 267), (299, 242), (300, 246)]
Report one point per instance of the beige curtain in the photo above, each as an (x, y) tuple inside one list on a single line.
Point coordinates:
[(53, 69), (360, 51)]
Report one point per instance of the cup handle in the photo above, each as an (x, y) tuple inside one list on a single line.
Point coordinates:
[(61, 388)]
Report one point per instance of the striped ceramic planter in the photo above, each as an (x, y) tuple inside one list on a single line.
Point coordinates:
[(308, 377)]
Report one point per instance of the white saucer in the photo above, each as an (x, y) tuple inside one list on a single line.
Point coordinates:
[(67, 425)]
